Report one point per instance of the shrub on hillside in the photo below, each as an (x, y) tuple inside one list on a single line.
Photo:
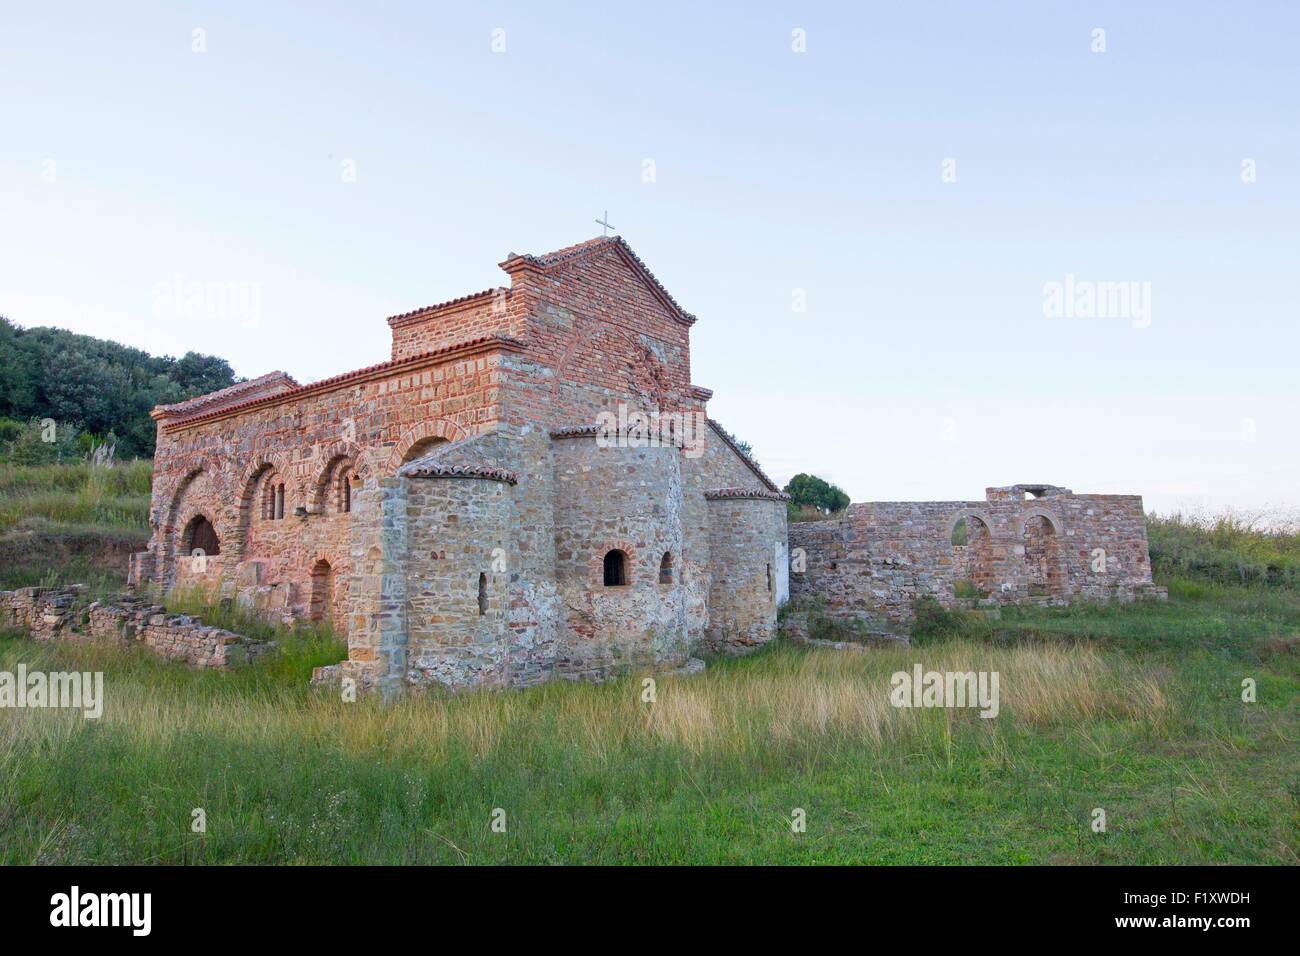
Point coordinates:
[(1231, 548)]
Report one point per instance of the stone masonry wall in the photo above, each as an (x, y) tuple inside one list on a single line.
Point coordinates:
[(459, 532), (747, 532), (880, 557), (64, 613), (628, 500)]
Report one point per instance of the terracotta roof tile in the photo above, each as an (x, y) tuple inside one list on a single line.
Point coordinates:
[(450, 303), (230, 392), (719, 494)]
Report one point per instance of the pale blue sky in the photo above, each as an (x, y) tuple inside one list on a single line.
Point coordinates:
[(923, 366)]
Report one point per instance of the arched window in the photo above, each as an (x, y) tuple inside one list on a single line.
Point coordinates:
[(666, 568), (200, 536), (482, 593), (272, 498), (268, 497), (615, 569), (345, 491)]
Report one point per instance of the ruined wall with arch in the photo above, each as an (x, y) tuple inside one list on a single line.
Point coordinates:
[(1023, 544)]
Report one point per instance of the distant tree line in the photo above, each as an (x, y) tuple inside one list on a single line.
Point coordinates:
[(94, 389)]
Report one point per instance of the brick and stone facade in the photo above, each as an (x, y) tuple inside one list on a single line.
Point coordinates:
[(488, 507), (1022, 544)]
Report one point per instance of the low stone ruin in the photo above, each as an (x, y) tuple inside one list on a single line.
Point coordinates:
[(66, 613)]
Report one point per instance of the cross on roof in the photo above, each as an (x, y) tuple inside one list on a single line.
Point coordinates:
[(607, 226)]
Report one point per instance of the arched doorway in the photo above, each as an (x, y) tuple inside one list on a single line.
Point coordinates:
[(322, 591), (1042, 557), (971, 540)]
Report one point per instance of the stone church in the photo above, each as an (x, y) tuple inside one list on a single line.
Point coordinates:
[(530, 487)]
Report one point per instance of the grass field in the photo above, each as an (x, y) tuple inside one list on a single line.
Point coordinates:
[(1136, 710), (62, 523)]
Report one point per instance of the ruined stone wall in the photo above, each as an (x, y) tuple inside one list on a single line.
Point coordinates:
[(880, 557), (65, 613)]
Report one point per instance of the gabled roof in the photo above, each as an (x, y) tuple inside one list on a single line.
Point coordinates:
[(268, 384), (554, 260)]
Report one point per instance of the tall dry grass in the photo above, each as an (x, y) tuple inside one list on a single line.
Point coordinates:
[(792, 698)]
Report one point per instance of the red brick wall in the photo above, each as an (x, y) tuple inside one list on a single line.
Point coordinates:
[(217, 465), (596, 334), (483, 314)]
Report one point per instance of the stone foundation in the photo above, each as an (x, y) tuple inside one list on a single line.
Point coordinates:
[(66, 614)]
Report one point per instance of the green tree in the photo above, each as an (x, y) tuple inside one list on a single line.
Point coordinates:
[(809, 490), (97, 385)]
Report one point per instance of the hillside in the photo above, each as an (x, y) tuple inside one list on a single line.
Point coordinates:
[(92, 386)]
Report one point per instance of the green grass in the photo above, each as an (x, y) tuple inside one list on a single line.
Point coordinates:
[(77, 496), (1136, 709), (1144, 719), (62, 524)]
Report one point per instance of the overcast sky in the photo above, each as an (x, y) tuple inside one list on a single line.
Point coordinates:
[(890, 220)]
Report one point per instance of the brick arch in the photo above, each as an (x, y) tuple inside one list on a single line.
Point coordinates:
[(167, 533), (983, 516), (1028, 513), (596, 564), (333, 454), (187, 528), (247, 486), (421, 431), (1042, 570)]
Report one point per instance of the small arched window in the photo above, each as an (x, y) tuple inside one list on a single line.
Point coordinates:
[(482, 594), (345, 490), (268, 498), (666, 568), (615, 569)]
